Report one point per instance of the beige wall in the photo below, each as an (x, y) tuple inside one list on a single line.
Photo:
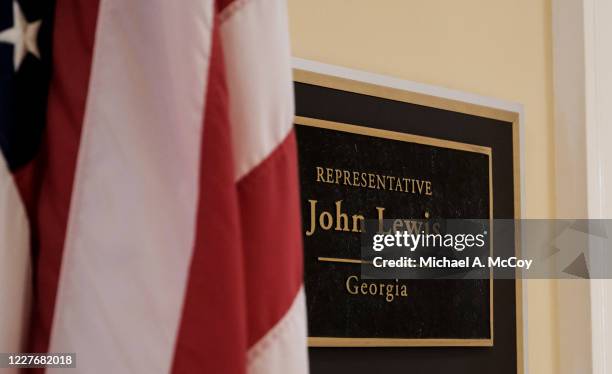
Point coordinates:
[(497, 48)]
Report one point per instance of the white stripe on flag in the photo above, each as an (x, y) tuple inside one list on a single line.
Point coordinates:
[(257, 59), (131, 225), (15, 273)]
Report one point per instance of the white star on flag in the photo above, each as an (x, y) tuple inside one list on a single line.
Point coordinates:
[(22, 35)]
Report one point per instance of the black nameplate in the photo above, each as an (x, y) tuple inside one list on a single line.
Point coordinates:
[(357, 323), (350, 174)]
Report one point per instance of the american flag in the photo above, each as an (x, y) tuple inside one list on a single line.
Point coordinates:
[(149, 213)]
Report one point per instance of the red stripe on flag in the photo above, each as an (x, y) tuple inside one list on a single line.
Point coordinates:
[(212, 334), (270, 216), (73, 42), (222, 4)]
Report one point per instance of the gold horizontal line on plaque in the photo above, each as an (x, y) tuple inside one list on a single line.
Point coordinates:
[(397, 342), (392, 135), (343, 260)]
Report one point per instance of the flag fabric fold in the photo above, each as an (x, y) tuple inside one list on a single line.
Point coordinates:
[(165, 210)]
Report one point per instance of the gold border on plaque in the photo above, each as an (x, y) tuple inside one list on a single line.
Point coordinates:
[(424, 140), (344, 84)]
